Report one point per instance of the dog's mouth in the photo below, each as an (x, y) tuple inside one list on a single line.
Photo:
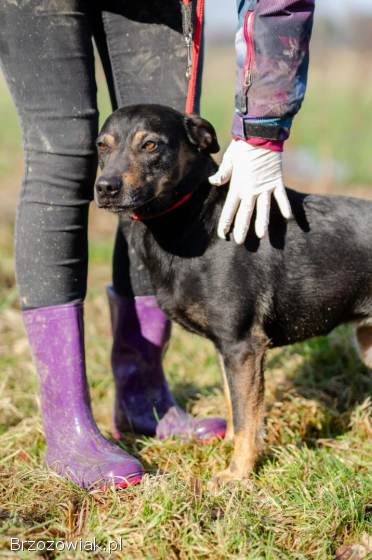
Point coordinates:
[(116, 208)]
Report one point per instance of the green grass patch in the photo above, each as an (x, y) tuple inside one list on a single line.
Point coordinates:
[(100, 251), (333, 125), (10, 142)]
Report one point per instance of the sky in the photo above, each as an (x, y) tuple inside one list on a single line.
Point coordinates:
[(221, 14)]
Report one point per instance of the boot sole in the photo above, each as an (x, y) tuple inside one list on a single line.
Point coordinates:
[(132, 481), (218, 435)]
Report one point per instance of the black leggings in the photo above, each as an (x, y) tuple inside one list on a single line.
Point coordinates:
[(47, 56)]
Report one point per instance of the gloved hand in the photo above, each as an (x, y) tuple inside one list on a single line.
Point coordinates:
[(255, 174)]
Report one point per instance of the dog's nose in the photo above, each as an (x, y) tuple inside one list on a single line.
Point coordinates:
[(108, 186)]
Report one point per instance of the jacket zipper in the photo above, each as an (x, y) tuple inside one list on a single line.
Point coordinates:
[(249, 57), (187, 27), (193, 51)]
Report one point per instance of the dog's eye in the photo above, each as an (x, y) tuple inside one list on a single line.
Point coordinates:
[(149, 146)]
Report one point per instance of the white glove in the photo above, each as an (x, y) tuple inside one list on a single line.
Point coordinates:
[(255, 174)]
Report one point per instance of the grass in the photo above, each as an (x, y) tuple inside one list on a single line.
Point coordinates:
[(10, 152), (311, 492)]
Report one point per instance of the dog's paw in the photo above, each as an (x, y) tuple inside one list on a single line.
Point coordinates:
[(227, 477)]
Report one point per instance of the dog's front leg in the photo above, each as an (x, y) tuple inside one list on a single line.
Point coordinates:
[(245, 379)]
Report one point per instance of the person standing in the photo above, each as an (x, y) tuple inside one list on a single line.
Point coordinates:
[(151, 52)]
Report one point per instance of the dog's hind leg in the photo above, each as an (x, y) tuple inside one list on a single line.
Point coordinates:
[(364, 342), (229, 411), (245, 378)]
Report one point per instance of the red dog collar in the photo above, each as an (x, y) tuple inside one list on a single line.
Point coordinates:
[(139, 218)]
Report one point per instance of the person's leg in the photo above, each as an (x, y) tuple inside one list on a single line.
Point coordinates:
[(47, 57), (147, 57)]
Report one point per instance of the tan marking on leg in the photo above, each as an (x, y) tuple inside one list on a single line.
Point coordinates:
[(246, 384), (247, 439), (229, 412), (196, 314)]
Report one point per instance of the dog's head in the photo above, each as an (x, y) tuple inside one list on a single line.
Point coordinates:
[(144, 153)]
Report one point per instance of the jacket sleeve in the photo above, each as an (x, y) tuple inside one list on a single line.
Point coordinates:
[(272, 49)]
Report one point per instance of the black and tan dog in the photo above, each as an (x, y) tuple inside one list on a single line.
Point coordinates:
[(305, 278)]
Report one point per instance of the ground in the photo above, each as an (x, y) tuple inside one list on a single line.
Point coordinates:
[(311, 492)]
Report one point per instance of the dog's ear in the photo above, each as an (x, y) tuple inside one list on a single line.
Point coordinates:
[(201, 133)]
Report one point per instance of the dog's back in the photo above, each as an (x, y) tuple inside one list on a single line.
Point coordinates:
[(322, 266), (306, 277)]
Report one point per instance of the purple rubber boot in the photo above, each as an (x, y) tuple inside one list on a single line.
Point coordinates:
[(76, 449), (144, 403)]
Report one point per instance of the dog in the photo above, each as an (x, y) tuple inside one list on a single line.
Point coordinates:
[(306, 277)]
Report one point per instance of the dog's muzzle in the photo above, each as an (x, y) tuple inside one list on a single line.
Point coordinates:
[(108, 190)]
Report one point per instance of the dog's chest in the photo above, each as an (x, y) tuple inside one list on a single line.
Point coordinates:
[(185, 308), (182, 288)]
